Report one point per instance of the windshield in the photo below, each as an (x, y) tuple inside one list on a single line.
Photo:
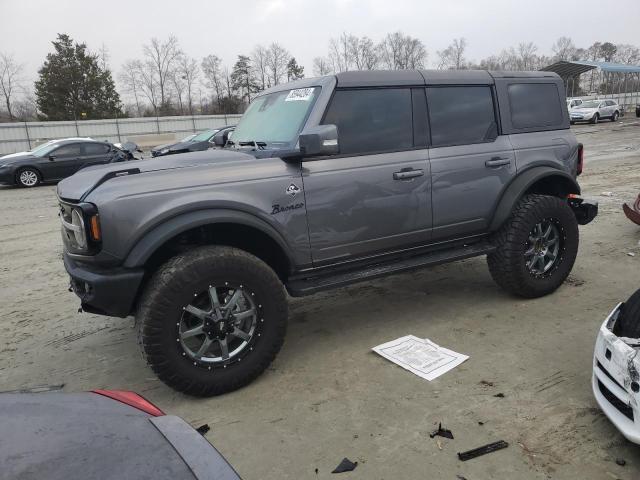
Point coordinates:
[(276, 118), (204, 136), (591, 104), (188, 137)]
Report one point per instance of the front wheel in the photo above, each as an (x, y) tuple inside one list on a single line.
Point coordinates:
[(595, 118), (28, 177), (536, 248), (212, 320)]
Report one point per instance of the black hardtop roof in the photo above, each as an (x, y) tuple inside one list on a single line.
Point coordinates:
[(430, 77)]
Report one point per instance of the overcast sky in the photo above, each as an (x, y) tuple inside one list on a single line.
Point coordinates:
[(304, 27)]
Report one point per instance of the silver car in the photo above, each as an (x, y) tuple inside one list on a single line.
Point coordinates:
[(593, 111)]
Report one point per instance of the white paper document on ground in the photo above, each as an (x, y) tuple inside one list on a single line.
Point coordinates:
[(420, 356)]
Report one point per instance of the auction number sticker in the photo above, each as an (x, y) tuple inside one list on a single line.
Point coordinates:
[(299, 94)]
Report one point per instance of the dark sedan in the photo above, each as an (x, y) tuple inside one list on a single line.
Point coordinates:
[(104, 434), (56, 160), (193, 143)]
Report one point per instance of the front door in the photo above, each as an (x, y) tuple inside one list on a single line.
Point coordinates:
[(64, 160), (375, 195), (470, 162)]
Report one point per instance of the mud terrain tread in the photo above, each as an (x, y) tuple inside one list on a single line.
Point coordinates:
[(506, 264), (162, 294)]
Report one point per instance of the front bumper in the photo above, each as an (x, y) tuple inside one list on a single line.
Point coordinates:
[(615, 379), (104, 291)]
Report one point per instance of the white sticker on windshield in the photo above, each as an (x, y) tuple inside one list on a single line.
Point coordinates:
[(299, 94)]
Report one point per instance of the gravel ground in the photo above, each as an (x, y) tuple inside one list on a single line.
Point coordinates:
[(328, 396)]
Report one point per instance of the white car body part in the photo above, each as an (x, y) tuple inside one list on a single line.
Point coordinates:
[(616, 378)]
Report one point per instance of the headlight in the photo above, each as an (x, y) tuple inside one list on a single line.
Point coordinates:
[(78, 229), (164, 150)]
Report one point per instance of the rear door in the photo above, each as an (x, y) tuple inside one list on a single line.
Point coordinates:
[(94, 153), (470, 162), (64, 160), (374, 196)]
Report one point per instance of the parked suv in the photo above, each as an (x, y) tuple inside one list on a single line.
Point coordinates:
[(326, 182), (593, 111)]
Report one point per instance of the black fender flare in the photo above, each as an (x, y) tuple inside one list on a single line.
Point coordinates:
[(158, 235), (519, 185)]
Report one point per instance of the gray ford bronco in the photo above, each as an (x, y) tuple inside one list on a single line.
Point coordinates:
[(325, 182)]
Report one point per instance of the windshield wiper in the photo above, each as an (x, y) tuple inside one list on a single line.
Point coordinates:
[(256, 145)]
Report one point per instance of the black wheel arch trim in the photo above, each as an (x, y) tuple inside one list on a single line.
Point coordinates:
[(158, 235), (519, 186)]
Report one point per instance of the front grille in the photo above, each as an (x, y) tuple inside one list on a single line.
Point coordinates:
[(622, 407)]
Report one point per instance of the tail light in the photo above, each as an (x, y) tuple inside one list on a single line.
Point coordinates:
[(580, 159), (132, 399)]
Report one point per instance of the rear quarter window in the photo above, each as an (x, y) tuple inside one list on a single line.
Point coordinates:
[(534, 105)]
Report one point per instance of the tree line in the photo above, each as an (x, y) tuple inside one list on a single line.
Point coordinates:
[(77, 83)]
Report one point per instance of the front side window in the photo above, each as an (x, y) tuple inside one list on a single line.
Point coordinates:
[(372, 120), (274, 120), (72, 150), (461, 115), (535, 105)]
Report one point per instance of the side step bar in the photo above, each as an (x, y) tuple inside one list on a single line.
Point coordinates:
[(299, 287)]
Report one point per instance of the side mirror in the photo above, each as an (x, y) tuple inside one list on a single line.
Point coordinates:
[(52, 158), (219, 139), (319, 140)]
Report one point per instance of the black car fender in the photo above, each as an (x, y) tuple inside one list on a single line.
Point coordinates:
[(521, 184), (158, 235)]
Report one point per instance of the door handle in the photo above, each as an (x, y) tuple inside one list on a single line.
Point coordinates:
[(408, 174), (497, 162)]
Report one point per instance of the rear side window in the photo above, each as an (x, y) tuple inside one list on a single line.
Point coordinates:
[(461, 115), (72, 150), (95, 149), (534, 105), (610, 103), (372, 120)]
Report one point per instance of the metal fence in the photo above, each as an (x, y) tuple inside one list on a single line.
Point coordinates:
[(16, 137)]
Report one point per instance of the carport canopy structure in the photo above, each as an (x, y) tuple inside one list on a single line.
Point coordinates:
[(619, 78)]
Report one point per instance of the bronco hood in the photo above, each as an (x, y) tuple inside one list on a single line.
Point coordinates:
[(76, 187)]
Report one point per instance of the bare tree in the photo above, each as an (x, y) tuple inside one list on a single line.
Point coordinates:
[(628, 54), (277, 59), (362, 52), (452, 57), (189, 71), (213, 75), (162, 55), (527, 55), (103, 57), (130, 80), (564, 49), (399, 52), (179, 87), (259, 58), (10, 80), (340, 52), (321, 66), (148, 82)]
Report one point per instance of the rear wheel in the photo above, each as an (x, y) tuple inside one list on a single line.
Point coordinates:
[(28, 177), (536, 248), (212, 320), (615, 116)]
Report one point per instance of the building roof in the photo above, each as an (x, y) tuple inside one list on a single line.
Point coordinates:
[(573, 68)]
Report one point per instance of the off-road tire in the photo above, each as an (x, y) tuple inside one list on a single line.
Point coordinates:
[(33, 173), (173, 286), (507, 264), (628, 323)]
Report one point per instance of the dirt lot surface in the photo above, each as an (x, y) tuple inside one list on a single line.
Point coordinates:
[(328, 396)]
